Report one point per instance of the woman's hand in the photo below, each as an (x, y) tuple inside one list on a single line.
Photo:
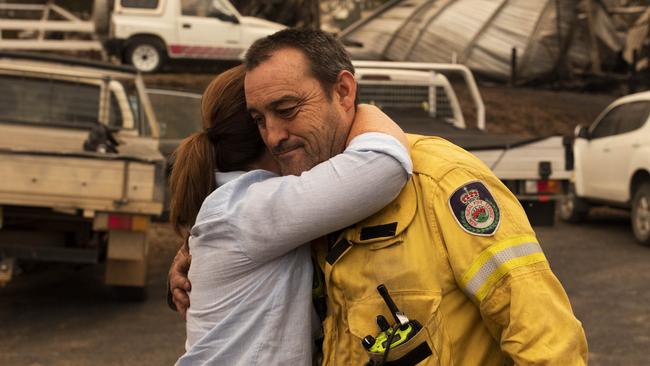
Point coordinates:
[(369, 118)]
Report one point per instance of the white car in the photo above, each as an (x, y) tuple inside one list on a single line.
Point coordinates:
[(147, 32), (612, 164)]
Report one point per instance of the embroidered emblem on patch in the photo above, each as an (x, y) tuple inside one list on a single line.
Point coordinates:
[(475, 209)]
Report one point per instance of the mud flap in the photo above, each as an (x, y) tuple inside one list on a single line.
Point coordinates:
[(540, 213), (126, 262)]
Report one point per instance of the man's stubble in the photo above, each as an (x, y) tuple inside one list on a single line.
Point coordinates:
[(334, 131)]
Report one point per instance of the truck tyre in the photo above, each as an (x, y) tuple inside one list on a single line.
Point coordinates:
[(641, 214), (130, 293), (573, 209), (145, 54)]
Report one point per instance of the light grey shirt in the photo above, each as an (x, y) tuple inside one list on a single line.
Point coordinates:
[(251, 276)]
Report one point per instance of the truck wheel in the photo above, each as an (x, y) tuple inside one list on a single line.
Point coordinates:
[(130, 293), (573, 209), (641, 214), (145, 54)]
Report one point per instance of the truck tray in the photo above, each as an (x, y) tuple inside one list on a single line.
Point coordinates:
[(74, 181), (419, 122)]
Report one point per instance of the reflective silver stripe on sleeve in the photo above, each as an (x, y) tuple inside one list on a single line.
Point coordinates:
[(496, 261)]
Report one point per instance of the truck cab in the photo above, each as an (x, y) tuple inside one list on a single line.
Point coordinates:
[(147, 32), (612, 164)]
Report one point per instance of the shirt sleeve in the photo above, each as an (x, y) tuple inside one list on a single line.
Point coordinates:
[(498, 262), (281, 213)]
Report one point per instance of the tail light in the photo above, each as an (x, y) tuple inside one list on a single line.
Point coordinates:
[(119, 222), (127, 222), (543, 186)]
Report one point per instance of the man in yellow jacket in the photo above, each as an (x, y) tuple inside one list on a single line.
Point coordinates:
[(455, 249), (457, 253)]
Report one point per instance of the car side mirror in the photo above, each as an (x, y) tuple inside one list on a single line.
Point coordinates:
[(582, 132), (216, 13)]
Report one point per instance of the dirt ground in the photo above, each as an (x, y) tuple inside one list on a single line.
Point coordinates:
[(64, 316), (535, 112)]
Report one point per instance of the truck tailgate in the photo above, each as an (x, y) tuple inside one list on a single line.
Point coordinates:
[(509, 156), (518, 162), (419, 122), (78, 183)]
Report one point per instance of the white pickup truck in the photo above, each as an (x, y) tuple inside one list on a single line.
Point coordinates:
[(612, 164), (142, 33), (146, 32), (420, 98), (80, 172)]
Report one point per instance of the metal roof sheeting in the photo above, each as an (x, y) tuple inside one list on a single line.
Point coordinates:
[(478, 33)]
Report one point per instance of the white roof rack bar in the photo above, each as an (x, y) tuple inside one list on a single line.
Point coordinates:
[(437, 67)]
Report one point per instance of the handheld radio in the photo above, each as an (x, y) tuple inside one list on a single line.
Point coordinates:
[(397, 337)]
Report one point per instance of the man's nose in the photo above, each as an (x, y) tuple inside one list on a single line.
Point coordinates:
[(276, 132)]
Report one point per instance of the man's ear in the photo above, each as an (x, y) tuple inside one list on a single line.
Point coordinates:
[(346, 89)]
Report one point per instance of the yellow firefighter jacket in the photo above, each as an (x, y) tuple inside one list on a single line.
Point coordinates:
[(456, 252)]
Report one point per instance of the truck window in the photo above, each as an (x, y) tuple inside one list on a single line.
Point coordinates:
[(196, 8), (28, 100), (114, 113), (179, 116), (632, 116), (224, 6), (203, 8), (140, 121), (607, 125), (140, 4)]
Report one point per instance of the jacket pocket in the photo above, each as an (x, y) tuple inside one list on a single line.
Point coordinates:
[(416, 305)]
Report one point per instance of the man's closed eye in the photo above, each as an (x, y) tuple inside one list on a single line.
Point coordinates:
[(287, 113)]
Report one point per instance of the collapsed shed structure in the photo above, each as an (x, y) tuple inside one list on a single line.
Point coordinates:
[(547, 36), (637, 40)]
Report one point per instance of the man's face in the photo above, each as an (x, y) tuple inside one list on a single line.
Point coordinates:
[(298, 122)]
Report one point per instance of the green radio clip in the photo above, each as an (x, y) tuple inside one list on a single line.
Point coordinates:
[(379, 347)]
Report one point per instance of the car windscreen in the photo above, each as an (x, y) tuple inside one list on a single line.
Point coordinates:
[(44, 101), (205, 8), (178, 114)]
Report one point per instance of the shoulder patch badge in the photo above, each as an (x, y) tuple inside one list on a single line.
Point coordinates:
[(475, 209)]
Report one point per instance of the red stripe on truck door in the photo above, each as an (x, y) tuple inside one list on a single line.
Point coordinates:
[(203, 52)]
